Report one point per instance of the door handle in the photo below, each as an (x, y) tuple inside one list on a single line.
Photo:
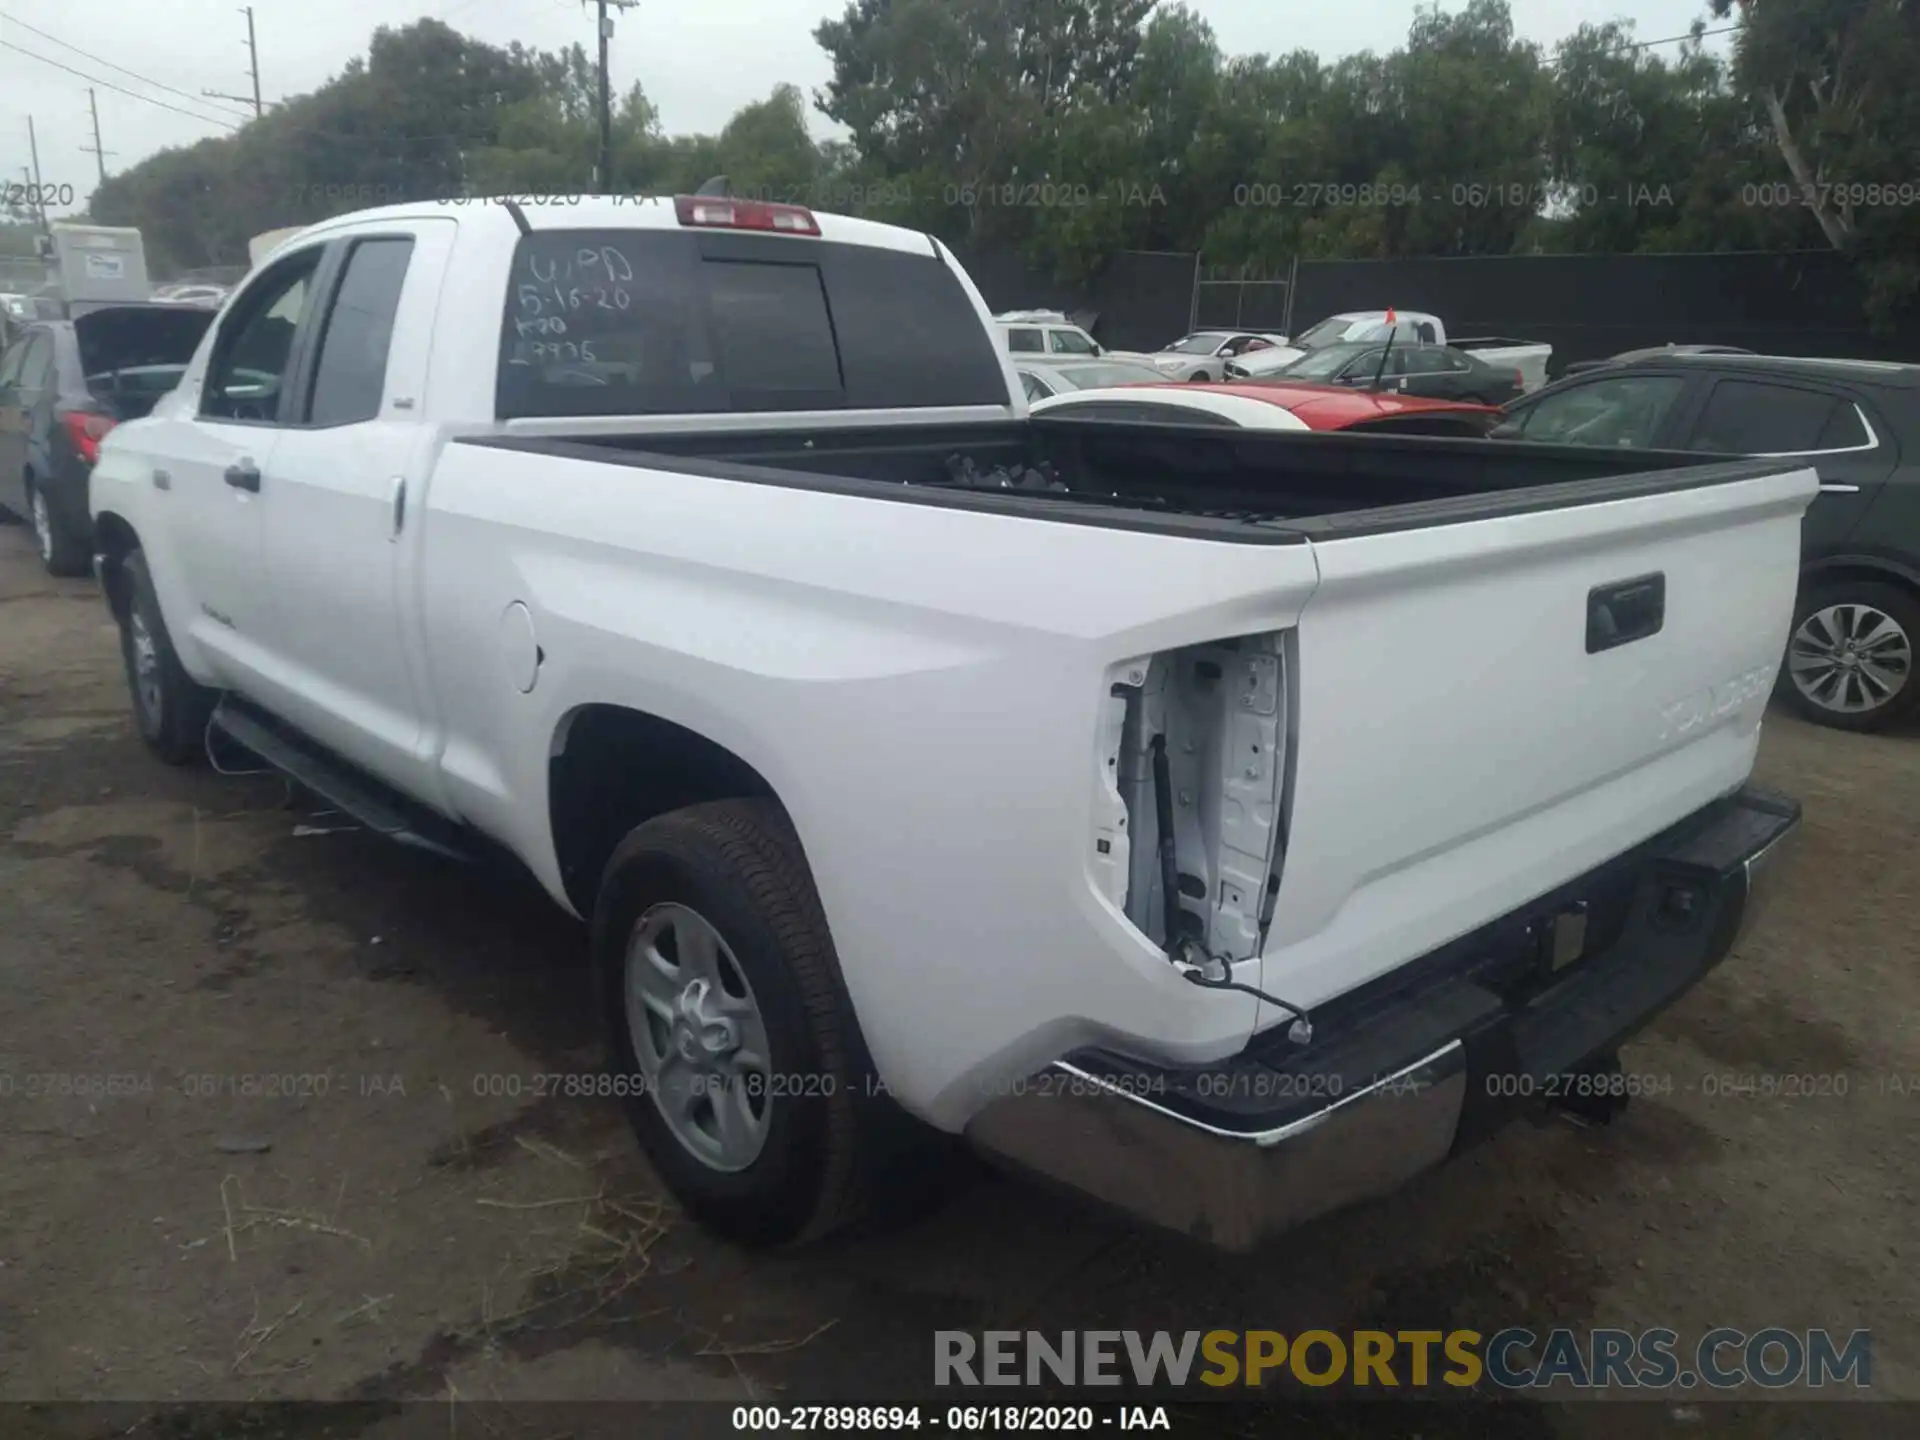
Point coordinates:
[(1625, 611), (399, 506), (244, 475), (162, 480), (1834, 487)]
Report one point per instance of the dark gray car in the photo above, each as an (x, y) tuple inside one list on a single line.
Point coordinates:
[(1857, 423), (63, 385), (1437, 372)]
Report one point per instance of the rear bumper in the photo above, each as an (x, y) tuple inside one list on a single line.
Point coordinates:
[(1416, 1069)]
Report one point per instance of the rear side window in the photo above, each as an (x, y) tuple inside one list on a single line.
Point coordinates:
[(350, 376), (1024, 342), (1845, 430), (1747, 417), (661, 322)]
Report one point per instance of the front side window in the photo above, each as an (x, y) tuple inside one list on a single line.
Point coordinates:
[(36, 366), (1624, 410), (254, 350), (350, 376), (1072, 342)]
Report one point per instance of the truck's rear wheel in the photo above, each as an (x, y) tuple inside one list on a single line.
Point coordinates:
[(169, 708), (728, 1022)]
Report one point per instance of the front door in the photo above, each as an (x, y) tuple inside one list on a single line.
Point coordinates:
[(211, 465)]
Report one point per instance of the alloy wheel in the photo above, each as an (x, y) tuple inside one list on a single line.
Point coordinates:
[(1850, 658)]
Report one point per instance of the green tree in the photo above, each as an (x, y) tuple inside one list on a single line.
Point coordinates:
[(1832, 81)]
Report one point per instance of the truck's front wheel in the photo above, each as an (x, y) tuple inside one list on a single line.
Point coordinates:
[(728, 1023), (169, 708)]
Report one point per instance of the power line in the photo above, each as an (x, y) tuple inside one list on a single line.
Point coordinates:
[(1681, 39), (109, 85), (98, 60)]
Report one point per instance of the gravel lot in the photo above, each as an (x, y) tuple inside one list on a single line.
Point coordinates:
[(374, 1224)]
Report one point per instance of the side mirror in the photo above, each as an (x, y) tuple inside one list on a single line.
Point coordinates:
[(1505, 430)]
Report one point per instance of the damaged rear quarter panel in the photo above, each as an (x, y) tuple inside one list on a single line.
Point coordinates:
[(921, 686)]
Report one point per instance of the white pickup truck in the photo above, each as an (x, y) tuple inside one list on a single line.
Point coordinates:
[(1228, 824), (1406, 327)]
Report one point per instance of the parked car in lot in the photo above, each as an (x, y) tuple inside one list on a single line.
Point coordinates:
[(64, 384), (1193, 816), (190, 294), (1040, 378), (1437, 372), (1270, 405), (1207, 354), (1857, 423), (1047, 333), (1406, 327)]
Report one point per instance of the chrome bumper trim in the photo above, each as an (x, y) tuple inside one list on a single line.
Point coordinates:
[(1764, 872), (1231, 1189)]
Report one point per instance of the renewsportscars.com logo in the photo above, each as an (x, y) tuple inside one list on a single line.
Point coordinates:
[(1509, 1359)]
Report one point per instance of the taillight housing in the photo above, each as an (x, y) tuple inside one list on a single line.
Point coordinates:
[(719, 213), (85, 430)]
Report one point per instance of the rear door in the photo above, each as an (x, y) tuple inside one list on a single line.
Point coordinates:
[(334, 502), (1592, 674), (1433, 372), (1829, 426)]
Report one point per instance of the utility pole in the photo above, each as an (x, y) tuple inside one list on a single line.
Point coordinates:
[(253, 68), (253, 64), (99, 155), (603, 172), (39, 192)]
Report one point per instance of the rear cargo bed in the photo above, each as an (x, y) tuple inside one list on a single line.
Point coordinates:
[(1247, 484)]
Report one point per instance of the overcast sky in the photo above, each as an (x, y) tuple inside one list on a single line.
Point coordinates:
[(699, 60)]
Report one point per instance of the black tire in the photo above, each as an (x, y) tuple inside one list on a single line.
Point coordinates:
[(61, 552), (171, 713), (1896, 604), (738, 864), (1199, 377)]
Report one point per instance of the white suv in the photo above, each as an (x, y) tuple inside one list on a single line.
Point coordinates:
[(1045, 332)]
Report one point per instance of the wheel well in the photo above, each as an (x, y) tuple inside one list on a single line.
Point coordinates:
[(614, 768), (1820, 576), (113, 540)]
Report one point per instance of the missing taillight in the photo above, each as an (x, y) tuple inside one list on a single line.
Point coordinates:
[(85, 430)]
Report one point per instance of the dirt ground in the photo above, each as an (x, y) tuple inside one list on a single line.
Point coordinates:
[(381, 1211)]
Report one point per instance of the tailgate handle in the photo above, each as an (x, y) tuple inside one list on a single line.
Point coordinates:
[(1625, 611)]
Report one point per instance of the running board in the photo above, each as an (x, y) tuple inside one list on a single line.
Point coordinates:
[(372, 802)]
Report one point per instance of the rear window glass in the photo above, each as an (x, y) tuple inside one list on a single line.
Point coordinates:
[(1748, 417), (656, 322)]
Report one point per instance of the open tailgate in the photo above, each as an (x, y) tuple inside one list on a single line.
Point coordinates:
[(1487, 709)]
